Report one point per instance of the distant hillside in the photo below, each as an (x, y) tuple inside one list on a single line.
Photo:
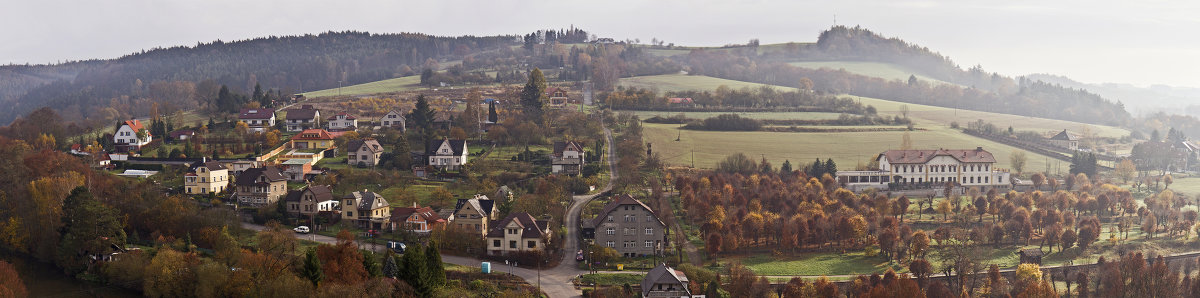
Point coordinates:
[(1139, 100)]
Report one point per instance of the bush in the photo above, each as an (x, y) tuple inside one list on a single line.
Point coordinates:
[(727, 122)]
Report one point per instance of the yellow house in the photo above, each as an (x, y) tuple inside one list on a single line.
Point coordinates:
[(312, 139), (366, 208), (206, 177)]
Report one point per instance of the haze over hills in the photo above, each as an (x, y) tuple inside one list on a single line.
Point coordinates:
[(1139, 100)]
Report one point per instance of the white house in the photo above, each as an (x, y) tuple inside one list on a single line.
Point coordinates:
[(516, 233), (447, 154), (126, 137), (568, 158), (259, 120), (342, 121), (930, 169), (393, 119)]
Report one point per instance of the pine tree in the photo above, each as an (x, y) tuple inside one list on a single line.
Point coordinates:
[(390, 269), (531, 95), (371, 264), (785, 168), (493, 117), (830, 167), (402, 154), (312, 267), (434, 268), (816, 169), (258, 95), (422, 115), (413, 271)]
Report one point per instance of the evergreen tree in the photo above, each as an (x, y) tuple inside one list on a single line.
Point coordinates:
[(371, 264), (401, 154), (422, 115), (785, 168), (816, 169), (390, 268), (312, 267), (258, 94), (89, 228), (765, 166), (434, 268), (493, 117), (830, 167), (531, 95), (413, 271)]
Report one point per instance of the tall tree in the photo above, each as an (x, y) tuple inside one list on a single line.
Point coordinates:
[(532, 94), (10, 282), (422, 115), (402, 154), (312, 267), (390, 268), (90, 228), (1017, 160), (433, 265), (413, 270), (493, 117)]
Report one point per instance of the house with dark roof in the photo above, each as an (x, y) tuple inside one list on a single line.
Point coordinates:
[(364, 152), (181, 135), (126, 137), (393, 119), (342, 122), (366, 209), (259, 120), (257, 187), (204, 177), (1064, 140), (310, 200), (568, 158), (306, 117), (421, 220), (475, 214), (447, 154), (664, 281), (930, 169), (630, 227), (556, 96), (519, 232)]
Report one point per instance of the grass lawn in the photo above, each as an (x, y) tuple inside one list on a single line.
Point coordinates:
[(846, 149), (1188, 185), (389, 85), (882, 70), (615, 279), (826, 263), (752, 115), (682, 82)]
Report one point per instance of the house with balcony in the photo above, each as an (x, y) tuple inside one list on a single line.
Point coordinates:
[(342, 122), (519, 232), (306, 117), (366, 209), (568, 158), (664, 281), (557, 96), (205, 177), (257, 187), (259, 120), (475, 214)]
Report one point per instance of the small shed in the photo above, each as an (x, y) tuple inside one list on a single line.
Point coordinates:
[(1031, 256)]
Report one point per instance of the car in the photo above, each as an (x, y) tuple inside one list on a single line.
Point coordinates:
[(579, 256), (302, 230), (397, 246)]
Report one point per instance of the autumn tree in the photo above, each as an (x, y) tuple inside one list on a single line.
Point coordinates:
[(1017, 161), (1126, 170), (170, 274), (342, 263), (10, 282), (90, 229)]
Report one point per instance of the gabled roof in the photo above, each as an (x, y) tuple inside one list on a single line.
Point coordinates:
[(135, 124), (531, 228), (457, 145), (211, 165), (1064, 136), (181, 132), (622, 200), (313, 134), (561, 146), (304, 112), (348, 116), (250, 176), (662, 274), (550, 91), (321, 193), (256, 114), (368, 200), (401, 214), (923, 156), (480, 204), (357, 145)]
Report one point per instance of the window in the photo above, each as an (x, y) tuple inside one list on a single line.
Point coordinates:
[(649, 218), (531, 244), (512, 244), (495, 243), (610, 218), (611, 231), (512, 231), (350, 213), (649, 244), (611, 244), (649, 231)]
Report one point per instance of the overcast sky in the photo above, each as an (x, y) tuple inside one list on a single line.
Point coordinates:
[(1137, 42)]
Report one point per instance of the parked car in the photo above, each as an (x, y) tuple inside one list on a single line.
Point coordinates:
[(302, 230), (579, 256), (397, 246)]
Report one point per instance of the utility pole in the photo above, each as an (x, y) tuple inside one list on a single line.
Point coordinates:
[(693, 158)]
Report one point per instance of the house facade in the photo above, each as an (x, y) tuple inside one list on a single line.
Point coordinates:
[(421, 220), (447, 154), (306, 117), (206, 177), (630, 227), (312, 139), (364, 152), (259, 120), (297, 169), (342, 122), (1065, 140), (240, 166), (568, 158), (367, 209), (930, 169), (311, 200), (259, 187), (475, 214), (393, 119), (664, 281), (126, 137), (519, 232), (556, 96)]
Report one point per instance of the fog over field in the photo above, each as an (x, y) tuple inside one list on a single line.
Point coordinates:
[(1135, 42)]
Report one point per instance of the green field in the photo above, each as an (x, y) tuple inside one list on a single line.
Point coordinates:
[(682, 82), (885, 71), (752, 115), (816, 264), (384, 86), (846, 149)]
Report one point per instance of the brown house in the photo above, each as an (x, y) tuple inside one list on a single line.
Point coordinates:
[(259, 187), (416, 219)]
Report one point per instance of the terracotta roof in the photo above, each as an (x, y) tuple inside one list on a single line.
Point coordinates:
[(923, 156), (561, 146), (357, 145), (136, 125), (313, 134), (531, 228), (250, 176), (680, 100), (256, 114), (621, 200), (1064, 136), (182, 132), (304, 112), (550, 91), (401, 214)]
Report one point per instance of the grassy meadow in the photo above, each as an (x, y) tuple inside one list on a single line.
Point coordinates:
[(752, 115), (384, 86), (683, 82), (882, 70)]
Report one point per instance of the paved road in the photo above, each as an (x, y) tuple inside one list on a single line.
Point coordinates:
[(556, 282)]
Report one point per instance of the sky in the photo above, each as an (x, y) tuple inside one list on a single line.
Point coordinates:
[(1135, 42)]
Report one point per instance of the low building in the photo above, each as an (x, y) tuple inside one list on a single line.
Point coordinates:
[(1030, 256), (205, 177), (447, 154), (342, 122), (181, 135), (364, 152), (475, 214), (393, 119), (259, 120), (557, 96), (519, 232), (126, 137), (257, 187), (297, 169), (306, 117), (664, 281), (312, 139), (311, 200), (568, 158), (630, 227), (1064, 140), (240, 166), (909, 169), (421, 220), (366, 209)]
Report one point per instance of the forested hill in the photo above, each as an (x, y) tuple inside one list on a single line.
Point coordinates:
[(179, 77)]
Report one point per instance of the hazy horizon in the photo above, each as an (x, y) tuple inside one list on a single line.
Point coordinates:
[(1093, 42)]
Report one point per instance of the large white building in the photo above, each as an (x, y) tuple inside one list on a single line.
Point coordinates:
[(929, 169)]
